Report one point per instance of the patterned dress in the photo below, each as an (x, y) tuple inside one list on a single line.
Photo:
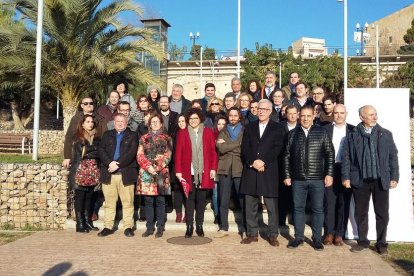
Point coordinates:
[(154, 150)]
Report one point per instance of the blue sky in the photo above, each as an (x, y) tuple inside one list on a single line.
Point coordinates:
[(275, 22)]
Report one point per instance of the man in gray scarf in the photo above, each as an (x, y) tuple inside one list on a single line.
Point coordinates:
[(370, 167)]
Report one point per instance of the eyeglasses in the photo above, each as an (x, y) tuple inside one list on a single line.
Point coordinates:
[(155, 122), (263, 109), (87, 103), (194, 118), (215, 104), (244, 100)]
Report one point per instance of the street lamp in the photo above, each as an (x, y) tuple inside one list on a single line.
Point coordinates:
[(345, 44), (361, 37), (194, 37)]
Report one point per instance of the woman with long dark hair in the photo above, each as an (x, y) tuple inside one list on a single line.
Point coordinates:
[(84, 172), (153, 96), (196, 164)]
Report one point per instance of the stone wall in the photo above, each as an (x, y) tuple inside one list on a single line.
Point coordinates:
[(50, 141), (33, 195)]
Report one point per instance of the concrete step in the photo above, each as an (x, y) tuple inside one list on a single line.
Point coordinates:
[(208, 225)]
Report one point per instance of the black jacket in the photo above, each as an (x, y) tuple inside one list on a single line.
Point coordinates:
[(128, 152), (185, 106), (91, 152), (308, 158), (387, 154), (266, 148)]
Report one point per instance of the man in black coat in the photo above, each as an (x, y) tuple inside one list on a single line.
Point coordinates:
[(370, 167), (308, 165), (337, 198), (117, 151), (261, 145)]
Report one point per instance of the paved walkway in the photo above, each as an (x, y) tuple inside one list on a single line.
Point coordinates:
[(69, 253)]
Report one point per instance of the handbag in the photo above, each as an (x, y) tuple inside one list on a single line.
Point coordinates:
[(88, 173)]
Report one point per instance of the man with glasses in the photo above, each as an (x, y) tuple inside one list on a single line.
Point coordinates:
[(278, 96), (125, 109), (86, 107), (290, 88), (317, 95), (261, 145)]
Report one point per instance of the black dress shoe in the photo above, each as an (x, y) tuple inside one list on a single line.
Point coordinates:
[(147, 233), (318, 246), (200, 231), (105, 232), (128, 232), (160, 232), (189, 232), (295, 244)]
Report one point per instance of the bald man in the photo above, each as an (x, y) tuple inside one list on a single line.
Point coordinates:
[(337, 197), (370, 167)]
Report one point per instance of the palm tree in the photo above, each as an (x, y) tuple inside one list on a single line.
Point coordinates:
[(86, 44)]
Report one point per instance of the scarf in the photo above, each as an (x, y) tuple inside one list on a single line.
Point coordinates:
[(234, 131), (370, 166), (197, 157), (208, 98), (244, 113)]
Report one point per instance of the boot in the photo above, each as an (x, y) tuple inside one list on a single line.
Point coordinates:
[(200, 231), (89, 222), (179, 217), (80, 223), (189, 231)]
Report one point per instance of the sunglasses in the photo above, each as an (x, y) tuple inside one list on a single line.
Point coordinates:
[(87, 103), (215, 104)]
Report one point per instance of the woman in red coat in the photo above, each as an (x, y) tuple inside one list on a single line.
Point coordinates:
[(196, 162)]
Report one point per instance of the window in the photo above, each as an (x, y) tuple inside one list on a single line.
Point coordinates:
[(390, 40)]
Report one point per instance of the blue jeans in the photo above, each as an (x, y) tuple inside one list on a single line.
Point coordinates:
[(155, 204), (300, 189), (215, 199), (226, 183)]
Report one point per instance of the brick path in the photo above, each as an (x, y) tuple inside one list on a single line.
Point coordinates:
[(69, 253)]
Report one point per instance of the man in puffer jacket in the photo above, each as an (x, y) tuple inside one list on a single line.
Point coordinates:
[(308, 165)]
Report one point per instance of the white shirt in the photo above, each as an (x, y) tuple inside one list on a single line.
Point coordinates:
[(338, 138), (290, 127), (306, 130), (262, 127)]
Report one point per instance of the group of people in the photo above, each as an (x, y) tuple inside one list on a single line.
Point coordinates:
[(273, 146)]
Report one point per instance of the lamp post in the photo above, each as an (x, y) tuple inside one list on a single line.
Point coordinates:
[(194, 37), (345, 2), (38, 77), (363, 31), (238, 38), (377, 55)]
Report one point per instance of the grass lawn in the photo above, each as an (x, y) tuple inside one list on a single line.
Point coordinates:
[(402, 257), (18, 158), (6, 237)]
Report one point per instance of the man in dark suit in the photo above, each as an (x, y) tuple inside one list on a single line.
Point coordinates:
[(268, 88), (261, 146), (337, 197), (117, 152)]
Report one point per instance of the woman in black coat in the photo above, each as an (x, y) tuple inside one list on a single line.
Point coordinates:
[(85, 152)]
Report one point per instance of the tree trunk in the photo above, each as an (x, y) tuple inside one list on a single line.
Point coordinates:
[(69, 110), (18, 125)]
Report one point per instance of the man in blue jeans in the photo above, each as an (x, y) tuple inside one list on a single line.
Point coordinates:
[(308, 165)]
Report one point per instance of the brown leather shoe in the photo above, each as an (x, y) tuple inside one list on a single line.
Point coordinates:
[(338, 241), (328, 239), (249, 239), (273, 241)]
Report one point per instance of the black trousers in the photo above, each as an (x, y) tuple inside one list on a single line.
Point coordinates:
[(196, 201), (380, 200), (179, 197), (336, 205), (252, 204), (155, 204), (83, 200), (285, 202)]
